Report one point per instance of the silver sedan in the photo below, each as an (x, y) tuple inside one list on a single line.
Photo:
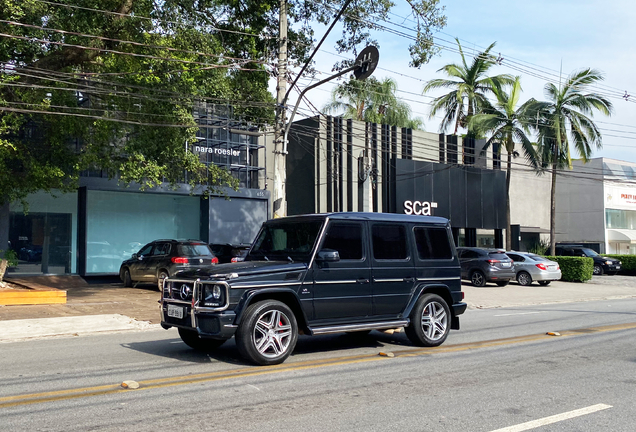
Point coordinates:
[(531, 267)]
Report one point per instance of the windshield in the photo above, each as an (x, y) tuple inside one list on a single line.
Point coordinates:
[(589, 252), (285, 241)]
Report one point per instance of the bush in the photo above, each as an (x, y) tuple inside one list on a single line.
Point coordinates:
[(574, 269), (628, 263), (11, 256)]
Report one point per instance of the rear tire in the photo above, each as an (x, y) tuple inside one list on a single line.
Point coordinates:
[(544, 283), (268, 333), (191, 338), (127, 279), (430, 321), (524, 278), (160, 278), (477, 278)]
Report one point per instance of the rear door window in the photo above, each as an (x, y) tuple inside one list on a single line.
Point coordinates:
[(432, 243), (389, 242)]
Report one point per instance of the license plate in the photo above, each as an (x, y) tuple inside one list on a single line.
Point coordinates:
[(175, 311), (505, 264), (618, 267)]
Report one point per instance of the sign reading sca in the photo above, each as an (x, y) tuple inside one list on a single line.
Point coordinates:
[(419, 207)]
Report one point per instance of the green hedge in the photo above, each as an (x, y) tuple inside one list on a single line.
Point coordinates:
[(574, 269), (628, 263)]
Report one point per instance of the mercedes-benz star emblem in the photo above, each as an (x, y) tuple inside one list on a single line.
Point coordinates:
[(185, 292)]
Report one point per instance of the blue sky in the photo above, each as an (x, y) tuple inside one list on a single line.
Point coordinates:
[(540, 37)]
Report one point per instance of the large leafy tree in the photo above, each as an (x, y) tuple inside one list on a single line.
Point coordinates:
[(112, 84), (508, 127), (470, 88), (372, 100), (565, 120)]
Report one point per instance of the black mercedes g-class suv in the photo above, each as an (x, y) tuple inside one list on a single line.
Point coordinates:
[(319, 274)]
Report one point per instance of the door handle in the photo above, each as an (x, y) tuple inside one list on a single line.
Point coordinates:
[(409, 279), (362, 281)]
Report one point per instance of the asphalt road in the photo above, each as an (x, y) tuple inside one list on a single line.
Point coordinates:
[(500, 371)]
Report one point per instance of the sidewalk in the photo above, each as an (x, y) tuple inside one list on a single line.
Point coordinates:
[(104, 305)]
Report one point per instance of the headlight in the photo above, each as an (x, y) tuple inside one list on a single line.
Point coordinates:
[(213, 295), (620, 263), (608, 262)]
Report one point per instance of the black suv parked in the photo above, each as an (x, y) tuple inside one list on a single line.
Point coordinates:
[(481, 265), (601, 264), (162, 258), (319, 274), (229, 253)]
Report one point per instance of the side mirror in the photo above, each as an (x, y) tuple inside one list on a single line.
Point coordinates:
[(134, 256), (328, 255)]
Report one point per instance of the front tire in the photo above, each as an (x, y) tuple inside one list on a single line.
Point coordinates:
[(598, 270), (524, 278), (268, 333), (127, 278), (430, 321), (478, 279), (191, 338)]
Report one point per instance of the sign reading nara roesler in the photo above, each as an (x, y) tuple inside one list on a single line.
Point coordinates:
[(470, 197)]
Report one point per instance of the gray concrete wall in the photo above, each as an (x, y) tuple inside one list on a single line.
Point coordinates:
[(580, 208)]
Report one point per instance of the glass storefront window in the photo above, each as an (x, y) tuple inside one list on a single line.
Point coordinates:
[(44, 238), (485, 238), (620, 219), (120, 223)]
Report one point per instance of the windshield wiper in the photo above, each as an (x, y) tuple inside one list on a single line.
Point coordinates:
[(290, 260)]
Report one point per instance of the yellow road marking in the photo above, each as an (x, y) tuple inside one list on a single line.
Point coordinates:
[(33, 398)]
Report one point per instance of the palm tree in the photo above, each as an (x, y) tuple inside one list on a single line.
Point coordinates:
[(507, 126), (470, 88), (372, 100), (566, 118)]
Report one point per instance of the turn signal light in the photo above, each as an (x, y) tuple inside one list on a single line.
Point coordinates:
[(542, 266), (179, 260)]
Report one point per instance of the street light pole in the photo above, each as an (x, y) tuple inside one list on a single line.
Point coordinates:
[(280, 201)]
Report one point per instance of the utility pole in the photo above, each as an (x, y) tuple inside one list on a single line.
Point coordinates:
[(280, 177)]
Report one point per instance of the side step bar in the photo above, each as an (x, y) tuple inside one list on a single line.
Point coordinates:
[(383, 325)]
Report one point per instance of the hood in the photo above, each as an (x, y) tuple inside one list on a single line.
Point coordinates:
[(243, 268)]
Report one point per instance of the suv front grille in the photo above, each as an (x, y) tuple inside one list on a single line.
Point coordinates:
[(181, 290)]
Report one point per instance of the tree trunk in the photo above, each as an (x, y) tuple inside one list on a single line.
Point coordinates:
[(508, 233), (3, 268)]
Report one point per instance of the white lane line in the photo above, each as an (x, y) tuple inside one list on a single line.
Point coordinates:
[(554, 419), (520, 313)]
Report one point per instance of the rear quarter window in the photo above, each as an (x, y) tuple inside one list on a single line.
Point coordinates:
[(389, 242), (432, 243)]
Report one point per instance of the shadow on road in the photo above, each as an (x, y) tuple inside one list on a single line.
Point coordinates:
[(228, 353)]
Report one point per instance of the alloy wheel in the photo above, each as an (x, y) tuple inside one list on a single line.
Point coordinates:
[(434, 321), (478, 279), (524, 279), (272, 333)]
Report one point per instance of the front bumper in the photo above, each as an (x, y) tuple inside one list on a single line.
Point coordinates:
[(215, 325), (611, 267), (190, 312)]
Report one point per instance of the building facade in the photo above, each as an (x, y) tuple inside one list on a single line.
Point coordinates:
[(596, 206), (337, 164), (91, 231)]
